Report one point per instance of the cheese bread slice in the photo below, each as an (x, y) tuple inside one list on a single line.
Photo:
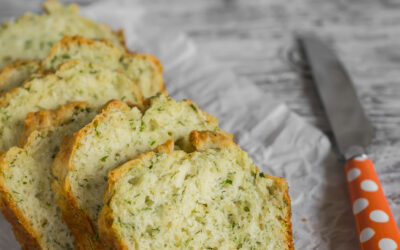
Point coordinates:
[(212, 198)]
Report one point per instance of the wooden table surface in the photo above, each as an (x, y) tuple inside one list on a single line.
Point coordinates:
[(256, 39)]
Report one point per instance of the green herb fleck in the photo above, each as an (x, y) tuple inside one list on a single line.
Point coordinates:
[(28, 44), (152, 143), (262, 175), (246, 209), (141, 128), (227, 181), (193, 107), (65, 56), (95, 130), (104, 158), (53, 59)]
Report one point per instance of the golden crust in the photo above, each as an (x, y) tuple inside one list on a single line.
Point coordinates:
[(284, 185), (9, 69), (52, 5), (68, 41), (49, 118), (202, 140), (21, 227), (77, 219)]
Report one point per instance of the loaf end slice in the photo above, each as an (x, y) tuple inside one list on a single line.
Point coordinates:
[(211, 198)]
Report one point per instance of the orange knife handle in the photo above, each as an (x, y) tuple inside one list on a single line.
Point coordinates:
[(375, 224)]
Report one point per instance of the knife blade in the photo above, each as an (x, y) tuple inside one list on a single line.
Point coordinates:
[(351, 128), (352, 132)]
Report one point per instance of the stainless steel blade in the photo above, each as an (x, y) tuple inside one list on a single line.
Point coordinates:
[(351, 128)]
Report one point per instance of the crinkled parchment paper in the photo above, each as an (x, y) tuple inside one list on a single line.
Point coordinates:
[(280, 142)]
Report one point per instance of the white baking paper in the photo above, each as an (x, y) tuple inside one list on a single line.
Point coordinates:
[(280, 142)]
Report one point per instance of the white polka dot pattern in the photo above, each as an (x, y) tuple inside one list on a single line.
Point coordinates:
[(353, 174), (362, 157), (375, 223), (366, 234), (387, 244), (369, 185), (359, 205), (379, 216)]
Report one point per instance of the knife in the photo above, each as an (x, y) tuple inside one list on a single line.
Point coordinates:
[(352, 132)]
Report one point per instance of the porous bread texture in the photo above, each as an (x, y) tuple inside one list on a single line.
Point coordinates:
[(32, 35), (78, 47), (27, 199), (212, 198), (113, 137), (144, 69), (73, 81), (14, 74)]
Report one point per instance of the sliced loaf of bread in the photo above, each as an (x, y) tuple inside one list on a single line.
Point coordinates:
[(144, 69), (82, 165), (27, 199), (212, 198), (31, 36), (73, 81)]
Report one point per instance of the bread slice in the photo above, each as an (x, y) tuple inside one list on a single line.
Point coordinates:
[(31, 36), (74, 81), (84, 160), (212, 198), (14, 74), (27, 199), (144, 69)]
